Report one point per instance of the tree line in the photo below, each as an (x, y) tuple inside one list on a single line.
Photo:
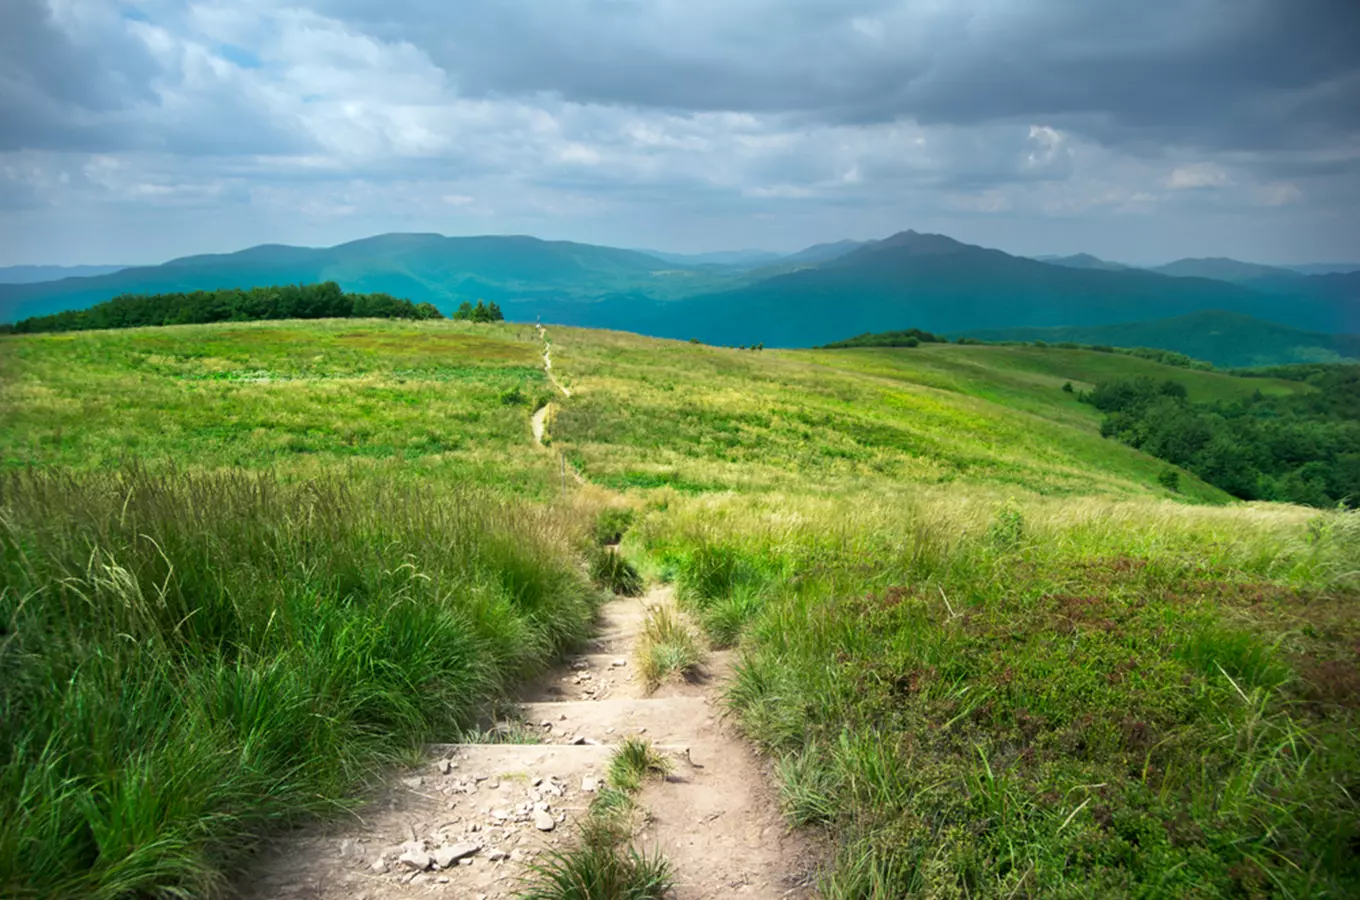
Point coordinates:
[(482, 312), (290, 301), (1300, 448)]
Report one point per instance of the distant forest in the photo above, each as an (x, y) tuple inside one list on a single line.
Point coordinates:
[(1300, 448), (290, 301)]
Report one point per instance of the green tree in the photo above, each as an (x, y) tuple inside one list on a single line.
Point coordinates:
[(464, 312)]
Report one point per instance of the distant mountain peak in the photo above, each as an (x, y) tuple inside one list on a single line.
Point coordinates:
[(922, 244)]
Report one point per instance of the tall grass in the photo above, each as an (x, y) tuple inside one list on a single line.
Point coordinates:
[(666, 647), (1006, 699), (190, 661)]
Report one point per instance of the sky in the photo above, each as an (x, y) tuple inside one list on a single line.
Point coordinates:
[(134, 131)]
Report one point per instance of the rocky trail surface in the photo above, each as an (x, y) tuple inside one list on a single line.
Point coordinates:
[(471, 820)]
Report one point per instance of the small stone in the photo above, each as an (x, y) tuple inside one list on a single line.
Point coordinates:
[(562, 718), (578, 741), (445, 767), (494, 784), (465, 861), (379, 865), (536, 782), (589, 785), (418, 860), (415, 782), (619, 663), (497, 855), (443, 879), (580, 664), (449, 854), (544, 821)]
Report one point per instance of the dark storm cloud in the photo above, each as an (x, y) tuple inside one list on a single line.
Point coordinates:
[(1213, 73), (699, 119)]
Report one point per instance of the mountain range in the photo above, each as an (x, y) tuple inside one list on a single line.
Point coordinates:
[(821, 294)]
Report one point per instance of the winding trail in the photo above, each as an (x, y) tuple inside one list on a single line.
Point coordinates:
[(547, 362), (471, 820), (715, 817)]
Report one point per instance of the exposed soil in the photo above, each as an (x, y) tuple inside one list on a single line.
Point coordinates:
[(715, 817)]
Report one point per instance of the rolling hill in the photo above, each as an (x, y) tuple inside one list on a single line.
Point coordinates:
[(420, 267), (1222, 338), (1224, 269), (1083, 261), (956, 602)]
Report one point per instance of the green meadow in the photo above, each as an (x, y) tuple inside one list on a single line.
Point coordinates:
[(990, 654)]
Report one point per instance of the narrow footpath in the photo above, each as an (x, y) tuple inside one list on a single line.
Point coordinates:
[(473, 817)]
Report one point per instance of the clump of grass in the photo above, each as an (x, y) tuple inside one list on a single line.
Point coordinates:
[(666, 647), (725, 618), (190, 661), (634, 761), (611, 524), (604, 864), (600, 870), (610, 571)]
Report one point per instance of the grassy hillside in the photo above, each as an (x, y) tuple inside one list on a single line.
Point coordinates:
[(1223, 338), (989, 652)]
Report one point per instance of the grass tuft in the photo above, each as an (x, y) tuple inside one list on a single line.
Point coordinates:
[(610, 571), (634, 761), (596, 870), (666, 647)]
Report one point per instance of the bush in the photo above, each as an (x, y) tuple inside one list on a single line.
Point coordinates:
[(1170, 479)]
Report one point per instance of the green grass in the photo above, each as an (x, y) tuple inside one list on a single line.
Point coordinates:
[(990, 654), (634, 761), (189, 662), (1066, 699), (666, 647), (695, 420), (422, 400)]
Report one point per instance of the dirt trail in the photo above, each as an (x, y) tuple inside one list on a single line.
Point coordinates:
[(499, 806), (539, 422), (547, 362)]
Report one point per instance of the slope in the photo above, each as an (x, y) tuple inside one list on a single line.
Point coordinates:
[(1223, 338), (986, 648)]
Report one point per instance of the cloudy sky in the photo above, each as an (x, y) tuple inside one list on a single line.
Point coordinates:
[(1141, 130)]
